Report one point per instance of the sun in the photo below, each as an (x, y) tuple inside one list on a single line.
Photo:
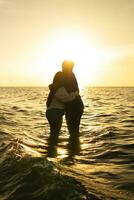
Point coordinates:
[(71, 45)]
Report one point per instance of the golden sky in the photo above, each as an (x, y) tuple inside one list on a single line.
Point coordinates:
[(36, 35)]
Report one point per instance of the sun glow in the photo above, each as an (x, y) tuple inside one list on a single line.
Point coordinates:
[(78, 47)]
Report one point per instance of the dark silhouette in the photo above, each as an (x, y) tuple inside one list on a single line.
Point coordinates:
[(54, 114), (64, 98), (73, 109)]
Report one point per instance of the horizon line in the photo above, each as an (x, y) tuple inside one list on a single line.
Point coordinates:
[(23, 86)]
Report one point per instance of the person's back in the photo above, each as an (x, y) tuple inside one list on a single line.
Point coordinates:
[(70, 82), (74, 108)]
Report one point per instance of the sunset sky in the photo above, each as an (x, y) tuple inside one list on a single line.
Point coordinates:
[(37, 35)]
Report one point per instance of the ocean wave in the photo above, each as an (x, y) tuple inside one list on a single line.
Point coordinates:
[(38, 178)]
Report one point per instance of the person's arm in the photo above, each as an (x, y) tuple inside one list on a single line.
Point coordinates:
[(53, 86), (63, 96)]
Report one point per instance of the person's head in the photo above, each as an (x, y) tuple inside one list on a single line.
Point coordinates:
[(67, 66), (57, 78)]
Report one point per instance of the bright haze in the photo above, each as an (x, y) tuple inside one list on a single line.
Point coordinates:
[(37, 35)]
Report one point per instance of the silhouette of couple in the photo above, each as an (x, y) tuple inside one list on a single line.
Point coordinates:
[(63, 99)]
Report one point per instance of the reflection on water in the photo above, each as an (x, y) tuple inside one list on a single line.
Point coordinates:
[(105, 164)]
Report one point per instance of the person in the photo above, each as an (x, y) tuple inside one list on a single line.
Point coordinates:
[(54, 114), (55, 110), (73, 109), (63, 99)]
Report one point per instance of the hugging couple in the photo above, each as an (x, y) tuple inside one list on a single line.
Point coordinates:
[(63, 99)]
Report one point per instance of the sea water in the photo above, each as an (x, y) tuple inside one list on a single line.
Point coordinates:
[(105, 166)]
